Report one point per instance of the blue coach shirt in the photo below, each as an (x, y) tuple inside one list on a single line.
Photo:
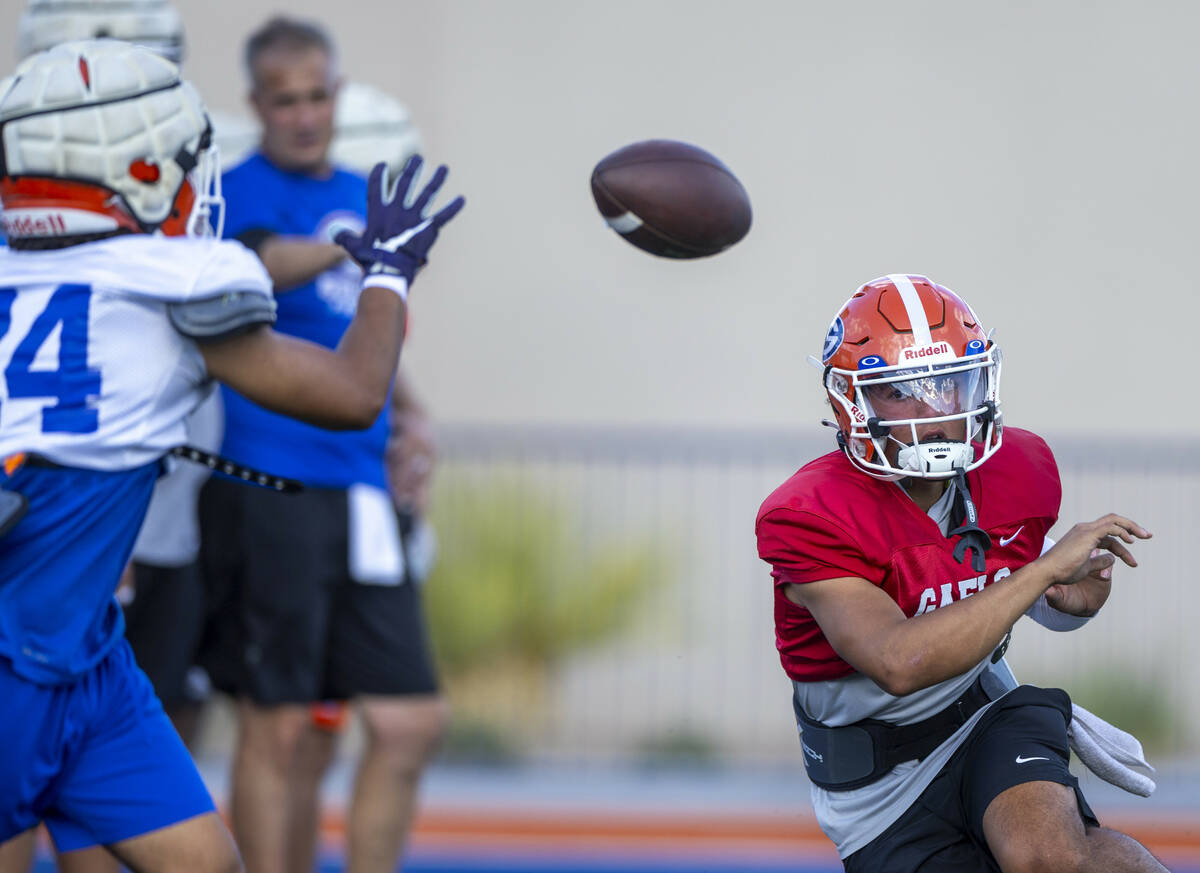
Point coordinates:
[(260, 196)]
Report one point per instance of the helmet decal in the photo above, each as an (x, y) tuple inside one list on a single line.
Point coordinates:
[(833, 339), (933, 352), (914, 308)]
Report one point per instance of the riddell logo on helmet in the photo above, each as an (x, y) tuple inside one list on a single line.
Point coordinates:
[(937, 350), (51, 224)]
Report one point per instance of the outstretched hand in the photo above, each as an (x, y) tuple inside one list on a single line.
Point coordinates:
[(1081, 563), (398, 234)]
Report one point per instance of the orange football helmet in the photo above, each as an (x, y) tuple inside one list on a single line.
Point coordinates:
[(902, 355)]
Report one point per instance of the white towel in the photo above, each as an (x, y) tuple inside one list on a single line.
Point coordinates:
[(1109, 752), (376, 556)]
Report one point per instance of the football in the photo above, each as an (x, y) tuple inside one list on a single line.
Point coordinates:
[(671, 199)]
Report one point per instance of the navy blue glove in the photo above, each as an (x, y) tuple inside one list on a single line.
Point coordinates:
[(398, 235)]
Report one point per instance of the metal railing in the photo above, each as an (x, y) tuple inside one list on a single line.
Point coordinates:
[(695, 662)]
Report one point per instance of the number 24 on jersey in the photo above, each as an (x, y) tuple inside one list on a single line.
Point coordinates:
[(72, 384)]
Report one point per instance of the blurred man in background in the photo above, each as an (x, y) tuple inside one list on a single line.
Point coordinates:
[(316, 597)]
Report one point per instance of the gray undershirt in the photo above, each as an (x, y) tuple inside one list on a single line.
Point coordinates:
[(851, 819)]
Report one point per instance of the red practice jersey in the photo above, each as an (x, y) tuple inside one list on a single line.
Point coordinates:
[(830, 520)]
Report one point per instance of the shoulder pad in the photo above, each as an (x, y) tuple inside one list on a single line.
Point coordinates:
[(229, 314)]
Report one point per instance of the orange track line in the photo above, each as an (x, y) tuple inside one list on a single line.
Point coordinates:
[(479, 826)]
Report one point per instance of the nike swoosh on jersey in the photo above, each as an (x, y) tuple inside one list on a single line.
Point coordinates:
[(1004, 541), (1021, 760)]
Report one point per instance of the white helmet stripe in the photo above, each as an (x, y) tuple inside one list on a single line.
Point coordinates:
[(916, 312)]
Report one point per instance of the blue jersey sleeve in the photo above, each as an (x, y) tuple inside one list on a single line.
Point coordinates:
[(264, 197), (251, 201)]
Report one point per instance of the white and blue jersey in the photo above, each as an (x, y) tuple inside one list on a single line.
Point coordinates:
[(95, 382), (261, 197)]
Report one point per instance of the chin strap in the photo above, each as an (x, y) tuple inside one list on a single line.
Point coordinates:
[(973, 537)]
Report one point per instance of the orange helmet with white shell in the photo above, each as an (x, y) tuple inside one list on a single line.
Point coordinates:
[(102, 136), (908, 367)]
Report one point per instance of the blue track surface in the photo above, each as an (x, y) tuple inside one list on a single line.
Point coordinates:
[(550, 864)]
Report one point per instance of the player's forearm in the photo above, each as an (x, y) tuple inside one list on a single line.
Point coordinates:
[(930, 648), (370, 349), (344, 389), (294, 261)]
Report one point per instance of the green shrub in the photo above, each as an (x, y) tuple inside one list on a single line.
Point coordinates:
[(470, 741), (1128, 701), (681, 747), (520, 585)]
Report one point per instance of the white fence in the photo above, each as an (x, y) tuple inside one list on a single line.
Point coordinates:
[(698, 660)]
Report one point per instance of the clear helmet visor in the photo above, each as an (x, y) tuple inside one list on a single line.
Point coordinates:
[(930, 395), (921, 421)]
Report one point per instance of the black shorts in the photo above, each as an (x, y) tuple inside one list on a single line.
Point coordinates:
[(942, 832), (163, 623), (287, 624)]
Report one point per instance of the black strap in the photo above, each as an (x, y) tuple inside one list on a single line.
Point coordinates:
[(254, 237), (220, 466), (973, 538), (844, 758), (233, 470), (908, 742)]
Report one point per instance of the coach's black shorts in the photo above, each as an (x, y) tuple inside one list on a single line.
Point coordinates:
[(287, 624), (942, 832), (163, 623)]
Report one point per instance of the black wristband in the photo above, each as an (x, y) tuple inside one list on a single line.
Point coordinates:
[(254, 238)]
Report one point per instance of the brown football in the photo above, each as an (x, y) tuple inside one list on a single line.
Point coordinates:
[(671, 199)]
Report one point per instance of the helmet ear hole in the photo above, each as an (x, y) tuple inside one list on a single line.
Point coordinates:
[(181, 211), (145, 171)]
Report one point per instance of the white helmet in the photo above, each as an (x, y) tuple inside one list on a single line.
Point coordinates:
[(103, 136), (154, 24), (371, 126)]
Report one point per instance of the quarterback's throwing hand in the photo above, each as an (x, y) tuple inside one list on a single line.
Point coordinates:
[(399, 233), (1081, 562)]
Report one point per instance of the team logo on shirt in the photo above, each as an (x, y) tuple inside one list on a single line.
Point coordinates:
[(340, 286), (936, 597)]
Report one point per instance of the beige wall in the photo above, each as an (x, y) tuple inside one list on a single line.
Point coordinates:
[(1038, 158)]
